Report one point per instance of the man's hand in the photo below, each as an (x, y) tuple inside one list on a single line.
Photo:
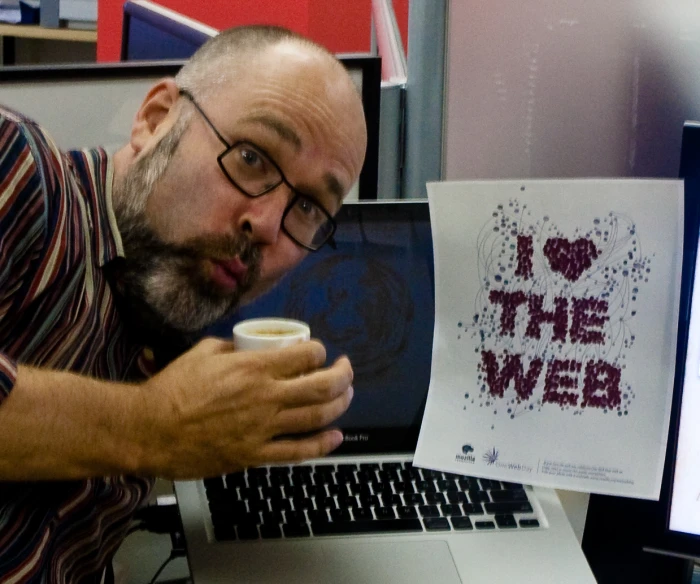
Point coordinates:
[(217, 411)]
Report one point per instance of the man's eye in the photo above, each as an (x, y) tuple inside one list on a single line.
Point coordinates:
[(251, 158), (309, 211), (307, 206)]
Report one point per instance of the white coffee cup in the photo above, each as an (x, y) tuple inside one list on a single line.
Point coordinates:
[(257, 334)]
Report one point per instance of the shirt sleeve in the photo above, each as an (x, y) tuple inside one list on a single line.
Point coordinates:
[(25, 160), (8, 375)]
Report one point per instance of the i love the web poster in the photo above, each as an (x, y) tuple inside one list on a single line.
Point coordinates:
[(555, 331)]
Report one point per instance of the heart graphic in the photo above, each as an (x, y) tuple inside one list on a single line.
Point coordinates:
[(570, 258)]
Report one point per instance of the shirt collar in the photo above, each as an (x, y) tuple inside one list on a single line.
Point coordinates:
[(94, 171)]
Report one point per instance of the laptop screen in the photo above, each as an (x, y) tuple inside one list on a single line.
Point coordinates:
[(372, 298)]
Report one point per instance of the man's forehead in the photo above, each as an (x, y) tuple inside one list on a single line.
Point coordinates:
[(253, 100), (283, 130)]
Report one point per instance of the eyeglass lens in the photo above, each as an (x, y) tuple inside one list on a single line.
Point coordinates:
[(255, 174)]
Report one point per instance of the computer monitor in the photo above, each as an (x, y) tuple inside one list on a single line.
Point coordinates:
[(679, 505), (82, 105), (151, 32), (94, 104), (628, 540)]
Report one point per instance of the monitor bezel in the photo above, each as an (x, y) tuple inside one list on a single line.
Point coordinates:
[(661, 538)]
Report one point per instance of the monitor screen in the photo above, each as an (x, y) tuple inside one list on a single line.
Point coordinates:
[(371, 297)]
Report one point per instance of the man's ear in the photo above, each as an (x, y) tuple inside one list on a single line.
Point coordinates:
[(156, 114)]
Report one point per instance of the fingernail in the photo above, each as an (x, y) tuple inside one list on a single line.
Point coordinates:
[(351, 391)]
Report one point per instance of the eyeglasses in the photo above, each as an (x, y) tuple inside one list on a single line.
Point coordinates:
[(249, 168)]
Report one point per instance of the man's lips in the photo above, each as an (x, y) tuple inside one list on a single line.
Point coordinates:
[(229, 273)]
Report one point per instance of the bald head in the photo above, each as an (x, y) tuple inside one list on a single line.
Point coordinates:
[(222, 58)]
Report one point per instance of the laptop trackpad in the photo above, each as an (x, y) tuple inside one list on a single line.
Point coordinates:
[(345, 562)]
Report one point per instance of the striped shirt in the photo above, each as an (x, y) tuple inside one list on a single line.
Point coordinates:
[(57, 234)]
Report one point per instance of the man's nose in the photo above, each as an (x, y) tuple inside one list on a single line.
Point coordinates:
[(262, 218)]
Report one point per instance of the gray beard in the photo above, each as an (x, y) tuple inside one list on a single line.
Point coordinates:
[(164, 282)]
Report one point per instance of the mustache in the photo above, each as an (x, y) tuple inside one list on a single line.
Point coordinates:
[(219, 247), (216, 247)]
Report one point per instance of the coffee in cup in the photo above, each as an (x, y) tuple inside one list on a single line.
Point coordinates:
[(256, 334)]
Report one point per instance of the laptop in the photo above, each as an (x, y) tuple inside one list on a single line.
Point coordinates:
[(366, 514)]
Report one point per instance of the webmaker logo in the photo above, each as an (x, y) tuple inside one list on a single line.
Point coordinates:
[(490, 456), (466, 455)]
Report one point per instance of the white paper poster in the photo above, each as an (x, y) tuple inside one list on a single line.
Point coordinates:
[(555, 331)]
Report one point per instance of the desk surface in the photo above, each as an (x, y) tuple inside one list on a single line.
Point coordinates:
[(39, 32)]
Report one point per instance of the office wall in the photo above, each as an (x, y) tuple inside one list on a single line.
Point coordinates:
[(343, 27), (548, 88)]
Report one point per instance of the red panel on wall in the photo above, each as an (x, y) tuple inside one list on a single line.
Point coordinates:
[(343, 27), (340, 26), (401, 12)]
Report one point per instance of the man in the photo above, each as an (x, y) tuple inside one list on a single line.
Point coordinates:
[(232, 174)]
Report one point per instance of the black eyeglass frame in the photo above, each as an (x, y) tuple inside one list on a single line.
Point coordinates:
[(283, 180)]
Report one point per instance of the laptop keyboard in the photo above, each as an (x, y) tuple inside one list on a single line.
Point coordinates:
[(328, 499)]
